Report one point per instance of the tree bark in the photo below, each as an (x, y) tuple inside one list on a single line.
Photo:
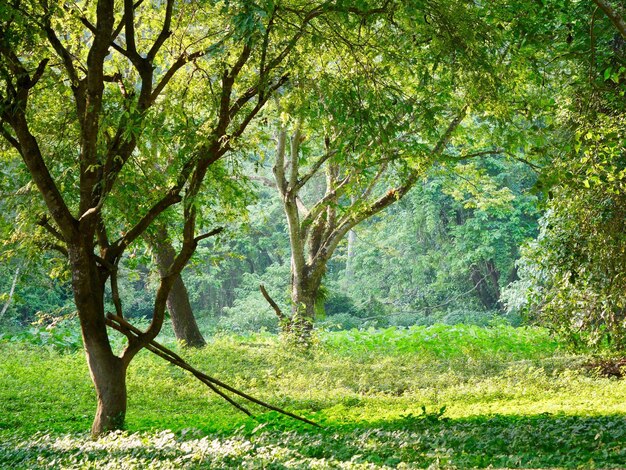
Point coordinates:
[(303, 299), (304, 295), (183, 320), (108, 371), (108, 374)]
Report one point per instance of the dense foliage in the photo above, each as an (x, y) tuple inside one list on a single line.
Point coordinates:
[(573, 273)]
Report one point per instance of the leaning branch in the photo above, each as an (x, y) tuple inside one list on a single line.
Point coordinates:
[(134, 334), (279, 313), (212, 233), (160, 353), (617, 19)]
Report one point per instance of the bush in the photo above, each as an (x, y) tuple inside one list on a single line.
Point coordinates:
[(253, 319), (61, 333), (250, 311), (338, 303)]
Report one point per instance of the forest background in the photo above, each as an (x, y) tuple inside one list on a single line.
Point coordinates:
[(342, 168)]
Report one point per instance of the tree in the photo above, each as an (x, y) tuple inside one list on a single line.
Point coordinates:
[(183, 320), (111, 78), (573, 273), (227, 199), (378, 119), (315, 232)]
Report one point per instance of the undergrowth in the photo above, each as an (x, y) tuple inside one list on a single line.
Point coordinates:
[(440, 396)]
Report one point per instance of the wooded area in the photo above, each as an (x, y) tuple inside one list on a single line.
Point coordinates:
[(399, 182)]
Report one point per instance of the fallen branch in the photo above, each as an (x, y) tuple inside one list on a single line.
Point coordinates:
[(159, 353), (133, 333)]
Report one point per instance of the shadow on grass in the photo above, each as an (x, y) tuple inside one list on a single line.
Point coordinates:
[(502, 441)]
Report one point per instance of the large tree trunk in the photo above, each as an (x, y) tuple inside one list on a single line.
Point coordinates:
[(304, 294), (183, 321), (108, 371), (303, 303)]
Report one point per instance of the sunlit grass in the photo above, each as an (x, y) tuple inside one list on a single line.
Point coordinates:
[(461, 396)]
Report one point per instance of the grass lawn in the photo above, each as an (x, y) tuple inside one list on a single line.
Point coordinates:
[(438, 397)]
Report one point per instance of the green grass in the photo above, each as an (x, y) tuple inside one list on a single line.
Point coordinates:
[(441, 396)]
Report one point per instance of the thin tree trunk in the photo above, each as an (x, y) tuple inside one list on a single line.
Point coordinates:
[(13, 284), (350, 257), (183, 320), (487, 286)]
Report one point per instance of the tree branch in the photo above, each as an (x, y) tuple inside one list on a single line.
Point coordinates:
[(171, 198), (370, 187), (38, 73), (180, 62), (294, 154), (165, 31), (279, 164), (45, 223), (314, 169), (31, 154), (115, 293), (212, 233), (395, 194), (279, 313), (129, 28), (54, 246), (617, 19), (10, 139), (320, 205), (254, 111), (66, 57)]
